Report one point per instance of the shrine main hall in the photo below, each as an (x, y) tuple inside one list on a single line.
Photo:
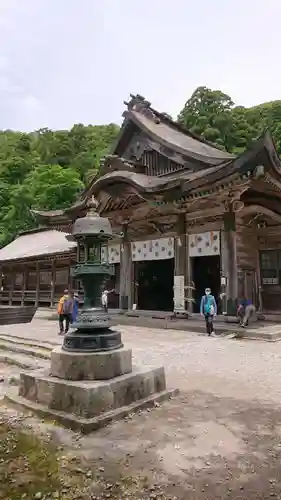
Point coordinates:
[(185, 216)]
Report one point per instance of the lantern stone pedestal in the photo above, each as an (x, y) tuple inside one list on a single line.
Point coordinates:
[(88, 391), (91, 381)]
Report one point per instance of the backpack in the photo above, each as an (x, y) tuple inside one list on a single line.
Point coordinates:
[(208, 304), (67, 306)]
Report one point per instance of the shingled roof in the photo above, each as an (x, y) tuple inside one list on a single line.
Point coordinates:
[(168, 133), (201, 161), (36, 243), (262, 151)]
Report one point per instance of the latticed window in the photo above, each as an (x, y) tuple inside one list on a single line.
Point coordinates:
[(270, 264)]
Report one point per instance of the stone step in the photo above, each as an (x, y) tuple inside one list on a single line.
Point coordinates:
[(271, 333), (11, 339), (24, 349), (30, 341), (21, 360), (87, 425), (188, 325)]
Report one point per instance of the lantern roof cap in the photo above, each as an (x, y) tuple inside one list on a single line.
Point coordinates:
[(92, 225)]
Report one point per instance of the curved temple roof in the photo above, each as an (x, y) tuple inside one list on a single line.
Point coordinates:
[(181, 142), (202, 162), (186, 181), (36, 243), (168, 133)]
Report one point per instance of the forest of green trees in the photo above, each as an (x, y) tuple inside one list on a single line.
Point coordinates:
[(48, 169)]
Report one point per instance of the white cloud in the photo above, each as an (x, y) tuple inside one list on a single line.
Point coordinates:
[(64, 61)]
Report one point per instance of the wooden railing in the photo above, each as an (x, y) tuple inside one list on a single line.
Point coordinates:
[(28, 298)]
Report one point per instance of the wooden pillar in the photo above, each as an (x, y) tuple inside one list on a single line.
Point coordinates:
[(24, 283), (37, 292), (229, 262), (1, 283), (12, 286), (126, 289), (70, 277), (53, 282), (188, 276), (180, 265)]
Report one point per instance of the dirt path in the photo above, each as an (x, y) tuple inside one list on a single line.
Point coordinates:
[(219, 439), (195, 446)]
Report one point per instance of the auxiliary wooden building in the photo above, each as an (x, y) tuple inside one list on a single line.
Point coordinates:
[(34, 268), (186, 215)]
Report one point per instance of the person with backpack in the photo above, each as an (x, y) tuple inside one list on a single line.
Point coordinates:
[(75, 307), (208, 309), (65, 310)]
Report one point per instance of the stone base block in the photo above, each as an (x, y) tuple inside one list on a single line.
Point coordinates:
[(86, 425), (90, 366), (266, 333), (88, 399)]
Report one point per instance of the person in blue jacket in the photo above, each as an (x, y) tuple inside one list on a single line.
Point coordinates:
[(75, 308), (208, 309)]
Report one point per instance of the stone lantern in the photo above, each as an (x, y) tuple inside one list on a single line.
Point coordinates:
[(91, 380), (92, 325)]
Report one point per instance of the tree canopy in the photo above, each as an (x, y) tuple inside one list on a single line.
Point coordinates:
[(46, 170), (212, 114)]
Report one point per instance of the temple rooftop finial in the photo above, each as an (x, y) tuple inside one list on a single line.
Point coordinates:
[(137, 102)]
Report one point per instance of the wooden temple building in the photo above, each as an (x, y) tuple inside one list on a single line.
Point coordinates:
[(185, 215)]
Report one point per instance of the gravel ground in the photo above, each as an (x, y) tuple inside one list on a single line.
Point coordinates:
[(192, 361), (219, 439)]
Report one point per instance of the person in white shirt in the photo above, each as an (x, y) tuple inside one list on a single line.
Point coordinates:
[(104, 299)]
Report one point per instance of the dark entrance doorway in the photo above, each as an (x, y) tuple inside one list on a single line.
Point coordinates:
[(155, 280), (206, 273)]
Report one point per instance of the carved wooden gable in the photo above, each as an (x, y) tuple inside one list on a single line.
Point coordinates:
[(155, 159)]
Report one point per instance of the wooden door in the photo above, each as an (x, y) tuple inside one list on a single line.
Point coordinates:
[(250, 285)]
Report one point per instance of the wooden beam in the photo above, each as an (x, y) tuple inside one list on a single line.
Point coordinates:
[(1, 279), (202, 214), (24, 283), (229, 264), (70, 278), (37, 293), (125, 296), (180, 264), (12, 286)]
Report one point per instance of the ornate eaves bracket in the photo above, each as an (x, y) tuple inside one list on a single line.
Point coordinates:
[(113, 163)]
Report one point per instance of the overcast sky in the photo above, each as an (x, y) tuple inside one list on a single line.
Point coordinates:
[(75, 61)]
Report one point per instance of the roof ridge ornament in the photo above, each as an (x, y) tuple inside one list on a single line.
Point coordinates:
[(141, 105)]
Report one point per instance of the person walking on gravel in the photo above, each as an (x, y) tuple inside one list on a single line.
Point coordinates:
[(208, 309), (65, 311)]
